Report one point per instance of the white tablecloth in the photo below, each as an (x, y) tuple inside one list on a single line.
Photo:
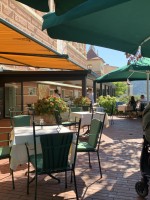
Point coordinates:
[(99, 109), (124, 108), (22, 135), (86, 117)]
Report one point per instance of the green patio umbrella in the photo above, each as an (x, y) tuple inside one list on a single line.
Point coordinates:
[(139, 70), (122, 25), (61, 6), (36, 4)]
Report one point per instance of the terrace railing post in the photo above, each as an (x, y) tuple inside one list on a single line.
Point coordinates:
[(94, 90), (84, 80)]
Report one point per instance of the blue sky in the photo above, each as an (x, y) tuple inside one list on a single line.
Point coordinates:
[(111, 57)]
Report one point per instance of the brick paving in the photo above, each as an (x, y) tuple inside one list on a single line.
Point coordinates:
[(119, 152)]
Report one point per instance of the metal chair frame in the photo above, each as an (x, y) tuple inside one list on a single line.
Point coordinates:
[(4, 145), (97, 133), (52, 170)]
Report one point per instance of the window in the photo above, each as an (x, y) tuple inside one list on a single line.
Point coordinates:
[(32, 91), (51, 92), (80, 94), (71, 93), (63, 93)]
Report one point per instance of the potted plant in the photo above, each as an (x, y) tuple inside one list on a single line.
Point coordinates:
[(83, 102), (45, 108), (107, 102)]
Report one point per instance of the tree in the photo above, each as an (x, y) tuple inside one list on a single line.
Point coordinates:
[(121, 88)]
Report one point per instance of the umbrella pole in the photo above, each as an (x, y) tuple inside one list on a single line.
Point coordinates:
[(147, 87)]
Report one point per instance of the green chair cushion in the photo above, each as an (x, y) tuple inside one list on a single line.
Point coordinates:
[(84, 147), (69, 123), (21, 120), (4, 152)]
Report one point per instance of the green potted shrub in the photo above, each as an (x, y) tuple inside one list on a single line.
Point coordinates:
[(107, 102)]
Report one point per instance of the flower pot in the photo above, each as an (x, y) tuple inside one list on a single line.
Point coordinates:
[(48, 119)]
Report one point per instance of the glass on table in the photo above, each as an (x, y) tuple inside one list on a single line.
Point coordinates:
[(41, 122)]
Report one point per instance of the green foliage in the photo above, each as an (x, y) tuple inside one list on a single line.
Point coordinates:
[(49, 104), (107, 102), (121, 88), (126, 98)]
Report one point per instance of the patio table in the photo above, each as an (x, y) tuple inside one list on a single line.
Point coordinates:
[(86, 117), (99, 109), (124, 108), (22, 135)]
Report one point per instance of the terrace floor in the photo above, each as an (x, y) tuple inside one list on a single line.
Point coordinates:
[(120, 154)]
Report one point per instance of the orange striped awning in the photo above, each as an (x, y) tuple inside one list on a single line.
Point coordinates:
[(19, 48)]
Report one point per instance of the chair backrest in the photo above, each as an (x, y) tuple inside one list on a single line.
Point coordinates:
[(4, 145), (14, 112), (55, 150), (21, 120), (95, 131)]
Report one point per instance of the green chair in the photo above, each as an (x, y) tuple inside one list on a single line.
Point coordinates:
[(93, 142), (5, 150), (14, 112), (20, 120), (54, 157)]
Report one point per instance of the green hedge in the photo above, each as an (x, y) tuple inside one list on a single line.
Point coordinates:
[(107, 102)]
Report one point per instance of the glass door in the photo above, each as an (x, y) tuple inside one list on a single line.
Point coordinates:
[(12, 97)]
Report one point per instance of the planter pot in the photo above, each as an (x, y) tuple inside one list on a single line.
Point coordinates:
[(48, 119), (85, 108)]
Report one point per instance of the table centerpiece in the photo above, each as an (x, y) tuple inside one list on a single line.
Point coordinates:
[(44, 108)]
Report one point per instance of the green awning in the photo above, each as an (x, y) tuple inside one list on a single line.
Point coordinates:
[(61, 6), (36, 4)]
